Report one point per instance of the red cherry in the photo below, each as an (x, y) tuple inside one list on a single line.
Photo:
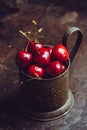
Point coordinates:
[(63, 68), (43, 59), (54, 69), (60, 53), (24, 58), (50, 48), (34, 47), (36, 71)]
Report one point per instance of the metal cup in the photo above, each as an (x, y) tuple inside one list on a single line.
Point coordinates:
[(48, 99)]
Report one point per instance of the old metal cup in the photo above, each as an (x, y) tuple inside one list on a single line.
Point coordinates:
[(48, 99)]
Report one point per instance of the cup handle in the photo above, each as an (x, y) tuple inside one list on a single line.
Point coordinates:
[(66, 36)]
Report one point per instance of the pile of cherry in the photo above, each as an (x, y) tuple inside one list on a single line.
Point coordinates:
[(40, 61), (43, 61)]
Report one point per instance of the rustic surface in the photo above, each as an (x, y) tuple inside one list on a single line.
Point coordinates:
[(54, 19)]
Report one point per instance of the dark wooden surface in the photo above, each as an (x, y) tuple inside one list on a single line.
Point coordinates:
[(54, 20)]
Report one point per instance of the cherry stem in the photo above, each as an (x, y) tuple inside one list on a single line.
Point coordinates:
[(35, 23), (37, 75), (25, 35), (27, 38), (13, 47), (26, 47), (35, 33)]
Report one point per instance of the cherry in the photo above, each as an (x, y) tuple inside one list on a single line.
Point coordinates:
[(24, 58), (50, 49), (43, 59), (60, 53), (36, 71), (34, 47), (63, 68), (54, 69)]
